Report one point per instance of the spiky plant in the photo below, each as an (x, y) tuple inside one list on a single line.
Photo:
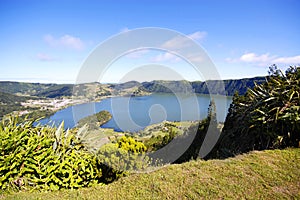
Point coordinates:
[(267, 116)]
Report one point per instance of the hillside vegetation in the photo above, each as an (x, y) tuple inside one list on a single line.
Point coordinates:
[(221, 87), (131, 87), (10, 103), (23, 88), (96, 120), (271, 174)]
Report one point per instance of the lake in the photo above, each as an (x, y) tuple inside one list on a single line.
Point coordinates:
[(135, 113)]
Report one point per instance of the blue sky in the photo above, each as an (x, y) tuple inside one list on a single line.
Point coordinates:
[(47, 41)]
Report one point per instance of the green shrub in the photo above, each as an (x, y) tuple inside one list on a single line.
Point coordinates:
[(43, 158), (265, 117), (157, 142), (118, 159)]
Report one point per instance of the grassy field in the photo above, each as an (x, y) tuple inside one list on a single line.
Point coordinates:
[(272, 174)]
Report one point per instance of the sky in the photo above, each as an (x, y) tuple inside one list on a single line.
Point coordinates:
[(48, 41)]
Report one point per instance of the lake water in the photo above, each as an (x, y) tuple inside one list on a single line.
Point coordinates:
[(135, 113)]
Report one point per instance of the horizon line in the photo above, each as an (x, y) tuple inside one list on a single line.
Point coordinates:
[(62, 82)]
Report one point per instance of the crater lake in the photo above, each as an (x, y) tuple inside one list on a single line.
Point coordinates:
[(135, 113)]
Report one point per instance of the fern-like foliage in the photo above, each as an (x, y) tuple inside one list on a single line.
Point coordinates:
[(266, 117), (44, 158)]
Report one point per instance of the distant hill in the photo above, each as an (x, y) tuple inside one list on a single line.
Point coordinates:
[(23, 88), (36, 89), (10, 103), (6, 98), (231, 86), (56, 91), (208, 87), (126, 85), (167, 86), (60, 90)]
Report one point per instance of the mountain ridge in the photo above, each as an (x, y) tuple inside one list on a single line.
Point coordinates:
[(52, 90)]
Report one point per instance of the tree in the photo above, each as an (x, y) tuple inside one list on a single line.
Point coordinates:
[(212, 114), (206, 126)]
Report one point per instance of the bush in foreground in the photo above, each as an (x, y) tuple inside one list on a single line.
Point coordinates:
[(121, 157), (43, 158), (47, 158), (266, 117)]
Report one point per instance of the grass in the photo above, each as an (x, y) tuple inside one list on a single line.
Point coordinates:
[(272, 174)]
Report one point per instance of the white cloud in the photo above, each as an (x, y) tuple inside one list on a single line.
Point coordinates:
[(265, 59), (67, 41), (183, 41), (252, 57), (288, 60), (166, 57), (72, 42), (44, 57)]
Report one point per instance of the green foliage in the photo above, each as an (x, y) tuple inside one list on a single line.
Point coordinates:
[(96, 120), (272, 174), (10, 103), (276, 107), (56, 91), (48, 158), (267, 116), (167, 86), (176, 147), (212, 113), (43, 158), (6, 98), (206, 126), (156, 142), (131, 145), (117, 159)]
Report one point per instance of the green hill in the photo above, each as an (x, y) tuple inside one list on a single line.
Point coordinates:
[(36, 89), (271, 174), (56, 91), (59, 90), (23, 88), (222, 87), (6, 98), (10, 103)]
